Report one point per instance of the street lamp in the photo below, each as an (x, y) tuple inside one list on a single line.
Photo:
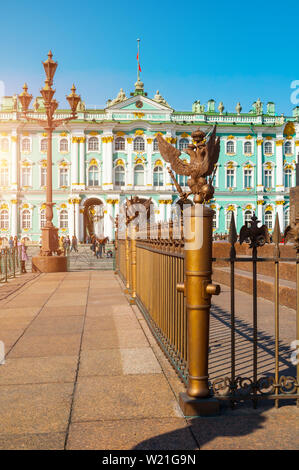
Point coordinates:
[(47, 261)]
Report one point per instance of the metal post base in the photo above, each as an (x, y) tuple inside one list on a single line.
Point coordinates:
[(192, 407)]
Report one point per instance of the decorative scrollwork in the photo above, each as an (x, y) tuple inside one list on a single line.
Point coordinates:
[(246, 387), (288, 384)]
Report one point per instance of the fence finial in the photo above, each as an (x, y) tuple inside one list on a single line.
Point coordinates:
[(276, 235), (232, 234)]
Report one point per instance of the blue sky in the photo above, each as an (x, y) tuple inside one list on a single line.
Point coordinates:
[(229, 51)]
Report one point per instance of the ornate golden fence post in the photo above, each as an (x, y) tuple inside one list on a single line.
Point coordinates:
[(127, 247), (133, 264), (198, 290)]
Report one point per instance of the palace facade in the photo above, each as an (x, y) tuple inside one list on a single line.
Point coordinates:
[(107, 155)]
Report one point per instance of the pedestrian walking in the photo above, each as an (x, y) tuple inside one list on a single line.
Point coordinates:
[(74, 244), (23, 256), (11, 243)]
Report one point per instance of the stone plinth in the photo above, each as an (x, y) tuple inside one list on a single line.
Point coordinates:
[(49, 264)]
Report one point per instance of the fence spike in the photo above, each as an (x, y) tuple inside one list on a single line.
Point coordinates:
[(276, 235), (232, 234)]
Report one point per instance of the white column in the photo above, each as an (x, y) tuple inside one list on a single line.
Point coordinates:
[(260, 210), (279, 165), (14, 161), (129, 168), (74, 157), (14, 217), (149, 151), (107, 142), (71, 217), (259, 169), (77, 215), (81, 222), (279, 211), (82, 163), (168, 210), (161, 216), (109, 222)]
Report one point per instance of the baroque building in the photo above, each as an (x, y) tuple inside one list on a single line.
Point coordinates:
[(109, 154)]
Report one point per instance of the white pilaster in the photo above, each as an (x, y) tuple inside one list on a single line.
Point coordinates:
[(279, 211), (260, 209), (75, 167), (77, 218), (259, 169), (107, 142), (14, 217), (14, 161), (149, 152), (129, 168), (82, 163), (279, 165)]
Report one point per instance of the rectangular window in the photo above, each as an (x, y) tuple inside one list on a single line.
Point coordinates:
[(230, 178), (26, 176), (268, 178)]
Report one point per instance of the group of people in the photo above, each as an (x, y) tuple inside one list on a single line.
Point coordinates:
[(98, 247), (20, 245), (68, 245)]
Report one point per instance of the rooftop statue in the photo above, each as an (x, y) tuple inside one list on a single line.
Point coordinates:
[(221, 107), (197, 107), (203, 158), (239, 108), (159, 99), (81, 106), (120, 97)]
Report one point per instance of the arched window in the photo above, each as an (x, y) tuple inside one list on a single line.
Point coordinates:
[(139, 145), (26, 176), (248, 180), (119, 143), (247, 217), (26, 145), (269, 219), (63, 219), (43, 176), (183, 144), (248, 147), (230, 177), (119, 176), (214, 222), (63, 176), (287, 177), (268, 148), (93, 144), (93, 176), (43, 218), (26, 219), (4, 219), (158, 176), (286, 217), (155, 146), (228, 217), (4, 145), (44, 145), (230, 146), (4, 176), (288, 148), (139, 175), (63, 145), (268, 180)]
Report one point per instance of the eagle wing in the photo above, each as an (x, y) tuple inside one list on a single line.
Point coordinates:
[(171, 155), (212, 153), (244, 234)]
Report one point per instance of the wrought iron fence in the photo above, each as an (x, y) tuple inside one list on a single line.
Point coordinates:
[(158, 264), (10, 263)]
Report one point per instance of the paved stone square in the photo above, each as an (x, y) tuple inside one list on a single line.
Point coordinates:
[(83, 371)]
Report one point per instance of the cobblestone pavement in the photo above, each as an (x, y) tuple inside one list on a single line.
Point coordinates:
[(82, 371)]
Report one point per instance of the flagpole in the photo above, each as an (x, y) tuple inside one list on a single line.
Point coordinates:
[(138, 72)]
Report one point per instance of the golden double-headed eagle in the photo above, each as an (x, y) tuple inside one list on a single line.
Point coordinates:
[(203, 158)]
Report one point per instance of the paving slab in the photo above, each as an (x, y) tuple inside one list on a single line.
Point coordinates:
[(44, 346), (141, 434), (126, 397), (46, 441)]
